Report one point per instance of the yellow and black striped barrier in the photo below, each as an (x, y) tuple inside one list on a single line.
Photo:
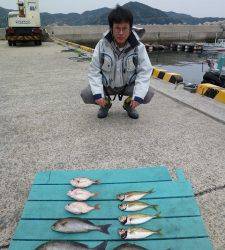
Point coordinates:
[(167, 76), (88, 49), (212, 91), (63, 42), (158, 73)]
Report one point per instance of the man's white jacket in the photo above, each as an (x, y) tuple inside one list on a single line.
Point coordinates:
[(115, 68)]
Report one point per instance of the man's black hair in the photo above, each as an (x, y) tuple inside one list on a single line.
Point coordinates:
[(119, 15)]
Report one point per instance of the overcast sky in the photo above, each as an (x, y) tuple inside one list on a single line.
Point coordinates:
[(198, 8)]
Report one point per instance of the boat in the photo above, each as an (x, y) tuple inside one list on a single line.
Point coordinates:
[(219, 45), (216, 73)]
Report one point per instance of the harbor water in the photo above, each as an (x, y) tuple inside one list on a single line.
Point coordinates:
[(191, 66)]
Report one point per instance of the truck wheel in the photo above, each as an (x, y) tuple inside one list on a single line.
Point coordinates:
[(38, 42), (10, 43)]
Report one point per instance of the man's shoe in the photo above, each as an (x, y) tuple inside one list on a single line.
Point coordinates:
[(132, 113), (103, 111)]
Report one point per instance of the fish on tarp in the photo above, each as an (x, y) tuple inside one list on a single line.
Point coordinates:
[(131, 206), (134, 195), (69, 245), (80, 207), (83, 182), (78, 225), (134, 233), (81, 194), (135, 219), (129, 246)]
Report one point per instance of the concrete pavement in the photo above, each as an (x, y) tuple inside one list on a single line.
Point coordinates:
[(45, 125)]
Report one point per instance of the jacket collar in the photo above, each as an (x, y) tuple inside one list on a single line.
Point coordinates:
[(132, 39)]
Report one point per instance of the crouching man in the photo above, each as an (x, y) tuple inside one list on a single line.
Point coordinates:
[(120, 66)]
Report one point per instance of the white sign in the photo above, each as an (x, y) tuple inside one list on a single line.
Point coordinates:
[(19, 21)]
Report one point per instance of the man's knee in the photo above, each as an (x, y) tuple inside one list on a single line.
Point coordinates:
[(83, 96), (87, 96), (149, 96)]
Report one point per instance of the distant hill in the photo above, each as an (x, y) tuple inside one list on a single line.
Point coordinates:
[(143, 14), (98, 16), (187, 19), (3, 17)]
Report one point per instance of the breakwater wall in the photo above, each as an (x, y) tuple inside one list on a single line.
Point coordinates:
[(89, 34)]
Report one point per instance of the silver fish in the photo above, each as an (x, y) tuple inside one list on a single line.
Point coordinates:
[(80, 207), (68, 245), (78, 225), (135, 219), (80, 194), (136, 206), (128, 246), (133, 196), (136, 233), (82, 182)]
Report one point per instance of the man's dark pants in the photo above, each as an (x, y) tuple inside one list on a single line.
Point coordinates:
[(88, 97)]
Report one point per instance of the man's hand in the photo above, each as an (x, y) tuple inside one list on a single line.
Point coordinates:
[(101, 102), (134, 104)]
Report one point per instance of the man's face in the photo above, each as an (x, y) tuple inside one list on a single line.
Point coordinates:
[(121, 32)]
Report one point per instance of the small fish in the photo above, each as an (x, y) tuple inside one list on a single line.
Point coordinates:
[(82, 182), (68, 245), (135, 219), (136, 233), (128, 246), (78, 225), (80, 207), (81, 194), (133, 196), (136, 206)]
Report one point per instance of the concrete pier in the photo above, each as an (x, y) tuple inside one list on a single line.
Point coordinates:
[(45, 125)]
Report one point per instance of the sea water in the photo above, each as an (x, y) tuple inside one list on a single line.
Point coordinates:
[(192, 66)]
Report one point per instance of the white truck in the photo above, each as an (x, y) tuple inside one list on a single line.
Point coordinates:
[(25, 24)]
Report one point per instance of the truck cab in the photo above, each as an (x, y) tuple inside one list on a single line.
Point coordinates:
[(24, 25)]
